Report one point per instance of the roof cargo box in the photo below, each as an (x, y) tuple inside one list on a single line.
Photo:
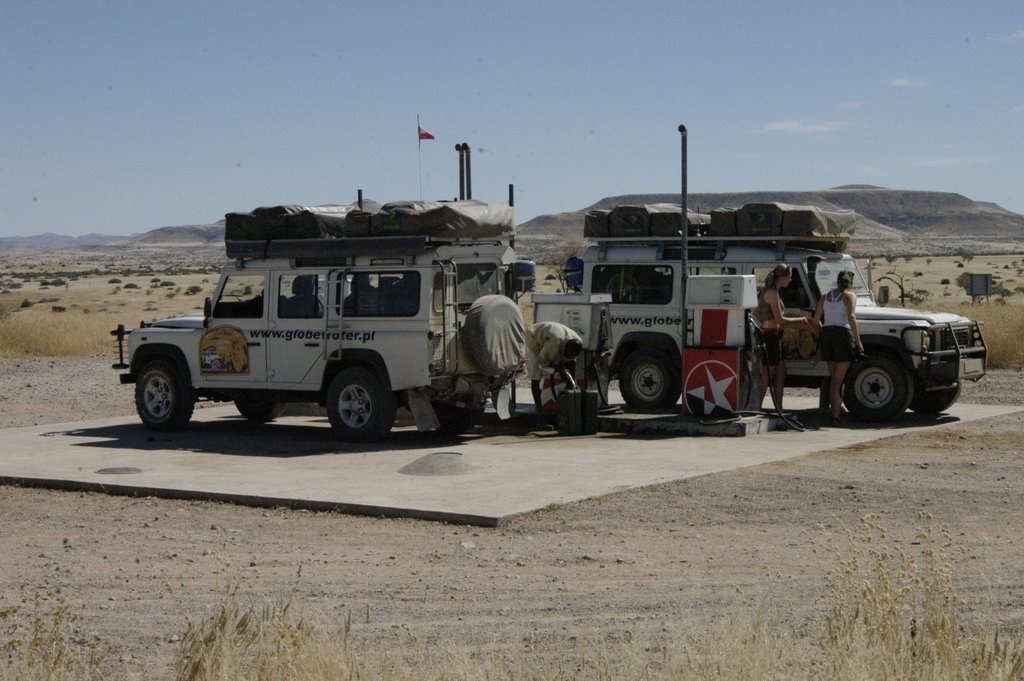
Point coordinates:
[(653, 219), (667, 220), (595, 224), (287, 222), (723, 222), (629, 221), (443, 219), (782, 219)]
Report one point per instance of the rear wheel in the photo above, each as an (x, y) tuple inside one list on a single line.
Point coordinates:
[(935, 401), (648, 380), (456, 420), (164, 400), (259, 411), (359, 407), (878, 389)]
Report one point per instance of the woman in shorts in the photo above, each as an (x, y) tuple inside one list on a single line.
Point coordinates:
[(771, 313), (839, 340)]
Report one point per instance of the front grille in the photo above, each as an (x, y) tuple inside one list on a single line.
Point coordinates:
[(950, 338)]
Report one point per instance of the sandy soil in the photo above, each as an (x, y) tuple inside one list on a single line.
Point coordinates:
[(639, 565)]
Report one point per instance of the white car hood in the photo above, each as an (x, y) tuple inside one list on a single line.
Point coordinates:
[(191, 322), (871, 312)]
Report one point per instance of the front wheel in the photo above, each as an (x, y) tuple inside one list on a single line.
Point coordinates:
[(359, 407), (164, 400), (935, 401), (878, 389), (648, 380)]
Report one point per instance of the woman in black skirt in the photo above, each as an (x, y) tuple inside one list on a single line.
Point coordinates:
[(839, 340)]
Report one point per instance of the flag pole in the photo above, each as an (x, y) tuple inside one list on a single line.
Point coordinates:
[(419, 154)]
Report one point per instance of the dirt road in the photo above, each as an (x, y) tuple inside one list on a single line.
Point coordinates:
[(640, 565)]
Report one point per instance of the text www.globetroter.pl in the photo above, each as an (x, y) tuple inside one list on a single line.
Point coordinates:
[(647, 322), (312, 334)]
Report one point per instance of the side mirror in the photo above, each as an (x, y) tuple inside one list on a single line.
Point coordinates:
[(207, 311)]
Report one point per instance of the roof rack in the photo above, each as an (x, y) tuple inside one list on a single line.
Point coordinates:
[(828, 243), (341, 249)]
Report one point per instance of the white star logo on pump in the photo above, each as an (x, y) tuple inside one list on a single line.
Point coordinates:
[(711, 388)]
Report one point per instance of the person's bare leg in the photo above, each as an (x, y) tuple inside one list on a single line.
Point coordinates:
[(839, 370), (780, 383), (764, 383)]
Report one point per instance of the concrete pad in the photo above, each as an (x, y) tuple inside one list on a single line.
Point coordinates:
[(484, 478)]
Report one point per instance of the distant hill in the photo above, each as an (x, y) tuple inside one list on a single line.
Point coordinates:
[(211, 235), (50, 240), (890, 220), (192, 235)]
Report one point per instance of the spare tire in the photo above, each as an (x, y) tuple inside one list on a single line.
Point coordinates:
[(494, 335)]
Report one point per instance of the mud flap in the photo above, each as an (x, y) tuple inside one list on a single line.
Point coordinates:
[(500, 400), (422, 411)]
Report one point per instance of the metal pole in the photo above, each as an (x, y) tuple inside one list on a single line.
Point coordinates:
[(359, 200), (683, 238), (462, 172), (469, 172)]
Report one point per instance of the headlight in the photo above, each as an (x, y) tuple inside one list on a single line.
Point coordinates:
[(926, 341)]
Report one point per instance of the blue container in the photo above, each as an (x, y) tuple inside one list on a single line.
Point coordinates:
[(574, 273), (524, 275)]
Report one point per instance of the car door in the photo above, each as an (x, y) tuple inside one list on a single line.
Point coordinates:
[(296, 340), (233, 348)]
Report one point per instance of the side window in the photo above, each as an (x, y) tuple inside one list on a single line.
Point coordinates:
[(634, 284), (300, 296), (760, 274), (475, 280), (241, 297), (381, 294), (796, 295), (437, 293)]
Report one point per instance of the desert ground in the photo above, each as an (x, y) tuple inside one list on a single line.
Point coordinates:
[(641, 567)]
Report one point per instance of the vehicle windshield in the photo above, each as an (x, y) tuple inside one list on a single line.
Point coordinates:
[(826, 271)]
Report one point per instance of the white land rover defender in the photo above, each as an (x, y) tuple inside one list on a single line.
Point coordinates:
[(361, 314), (915, 359)]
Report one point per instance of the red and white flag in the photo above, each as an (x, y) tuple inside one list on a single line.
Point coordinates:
[(424, 135)]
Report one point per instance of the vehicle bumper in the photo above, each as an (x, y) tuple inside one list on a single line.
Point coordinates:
[(956, 354)]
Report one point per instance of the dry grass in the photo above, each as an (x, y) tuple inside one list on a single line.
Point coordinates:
[(38, 639), (1002, 327), (31, 333), (893, 615)]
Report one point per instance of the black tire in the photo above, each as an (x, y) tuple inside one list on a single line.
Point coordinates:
[(163, 399), (259, 411), (935, 401), (359, 407), (456, 420), (878, 389), (649, 380)]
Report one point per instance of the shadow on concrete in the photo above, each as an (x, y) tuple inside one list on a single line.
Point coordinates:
[(235, 436), (818, 419)]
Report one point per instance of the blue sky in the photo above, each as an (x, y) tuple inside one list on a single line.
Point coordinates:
[(120, 117)]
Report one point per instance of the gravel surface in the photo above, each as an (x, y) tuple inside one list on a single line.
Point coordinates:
[(642, 565)]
